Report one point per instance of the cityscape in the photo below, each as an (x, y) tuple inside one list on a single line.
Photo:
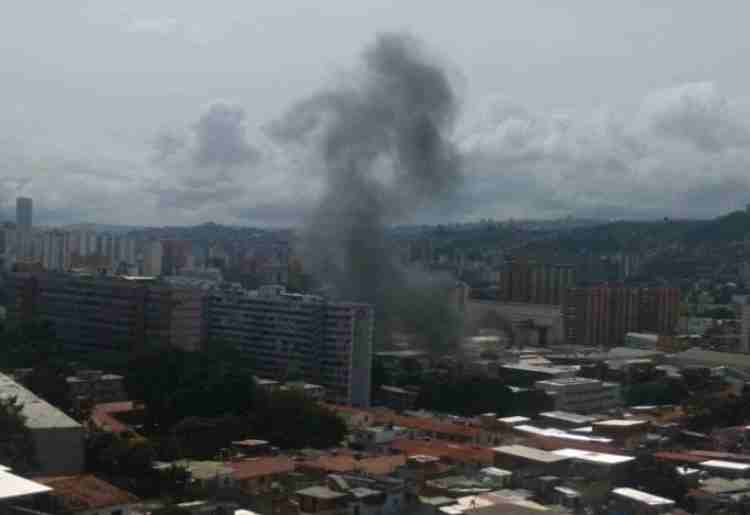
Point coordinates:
[(376, 305)]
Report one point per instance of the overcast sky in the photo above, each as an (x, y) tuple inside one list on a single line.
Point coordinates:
[(153, 112)]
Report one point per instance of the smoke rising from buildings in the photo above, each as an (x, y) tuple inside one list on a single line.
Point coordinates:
[(384, 143)]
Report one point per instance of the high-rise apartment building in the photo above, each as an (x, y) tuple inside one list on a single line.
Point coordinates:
[(90, 313), (604, 314), (299, 336), (522, 280), (151, 259), (23, 213)]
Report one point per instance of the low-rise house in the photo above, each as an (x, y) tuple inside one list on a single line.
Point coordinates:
[(714, 494), (381, 496), (209, 475), (322, 500), (581, 395), (727, 469), (205, 507), (566, 419), (96, 387), (529, 462), (256, 476), (84, 495), (374, 436), (117, 417), (468, 457), (251, 447), (509, 422), (344, 462), (598, 465), (397, 398), (425, 426), (628, 432), (637, 502), (58, 439)]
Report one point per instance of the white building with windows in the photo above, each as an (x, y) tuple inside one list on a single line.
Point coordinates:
[(298, 337), (581, 395)]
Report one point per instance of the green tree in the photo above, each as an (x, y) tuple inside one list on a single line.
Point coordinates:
[(48, 380), (290, 421), (17, 449)]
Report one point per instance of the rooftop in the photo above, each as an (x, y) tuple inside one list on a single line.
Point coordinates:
[(454, 452), (529, 453), (514, 420), (566, 416), (621, 422), (594, 457), (104, 416), (86, 492), (561, 382), (260, 467), (717, 485), (552, 370), (496, 472), (429, 425), (558, 433), (643, 497), (714, 358), (250, 443), (199, 469), (728, 465), (12, 486), (381, 465), (39, 413), (401, 354), (321, 492)]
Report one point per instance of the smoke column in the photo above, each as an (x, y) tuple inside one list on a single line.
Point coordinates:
[(384, 142)]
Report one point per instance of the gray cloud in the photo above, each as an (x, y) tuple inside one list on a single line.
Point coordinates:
[(683, 152), (209, 165), (221, 138)]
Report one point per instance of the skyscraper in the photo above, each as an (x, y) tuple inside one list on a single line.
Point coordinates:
[(23, 213)]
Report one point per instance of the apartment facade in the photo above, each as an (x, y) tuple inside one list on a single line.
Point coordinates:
[(91, 313), (522, 280), (604, 314), (293, 336)]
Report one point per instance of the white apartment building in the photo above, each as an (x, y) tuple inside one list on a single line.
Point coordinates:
[(292, 336), (581, 395)]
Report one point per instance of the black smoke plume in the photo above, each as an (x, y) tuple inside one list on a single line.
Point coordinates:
[(384, 141)]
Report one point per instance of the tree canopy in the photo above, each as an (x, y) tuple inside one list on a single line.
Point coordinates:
[(17, 449)]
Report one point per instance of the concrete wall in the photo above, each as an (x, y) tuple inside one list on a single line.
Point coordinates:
[(480, 312)]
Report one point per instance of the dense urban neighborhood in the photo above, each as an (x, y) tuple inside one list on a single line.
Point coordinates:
[(222, 376)]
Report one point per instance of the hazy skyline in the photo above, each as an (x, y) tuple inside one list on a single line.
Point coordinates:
[(155, 112)]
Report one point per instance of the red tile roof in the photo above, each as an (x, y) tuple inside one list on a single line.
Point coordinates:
[(454, 452), (346, 409), (429, 425), (86, 492), (104, 416), (679, 457), (343, 463), (260, 467)]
